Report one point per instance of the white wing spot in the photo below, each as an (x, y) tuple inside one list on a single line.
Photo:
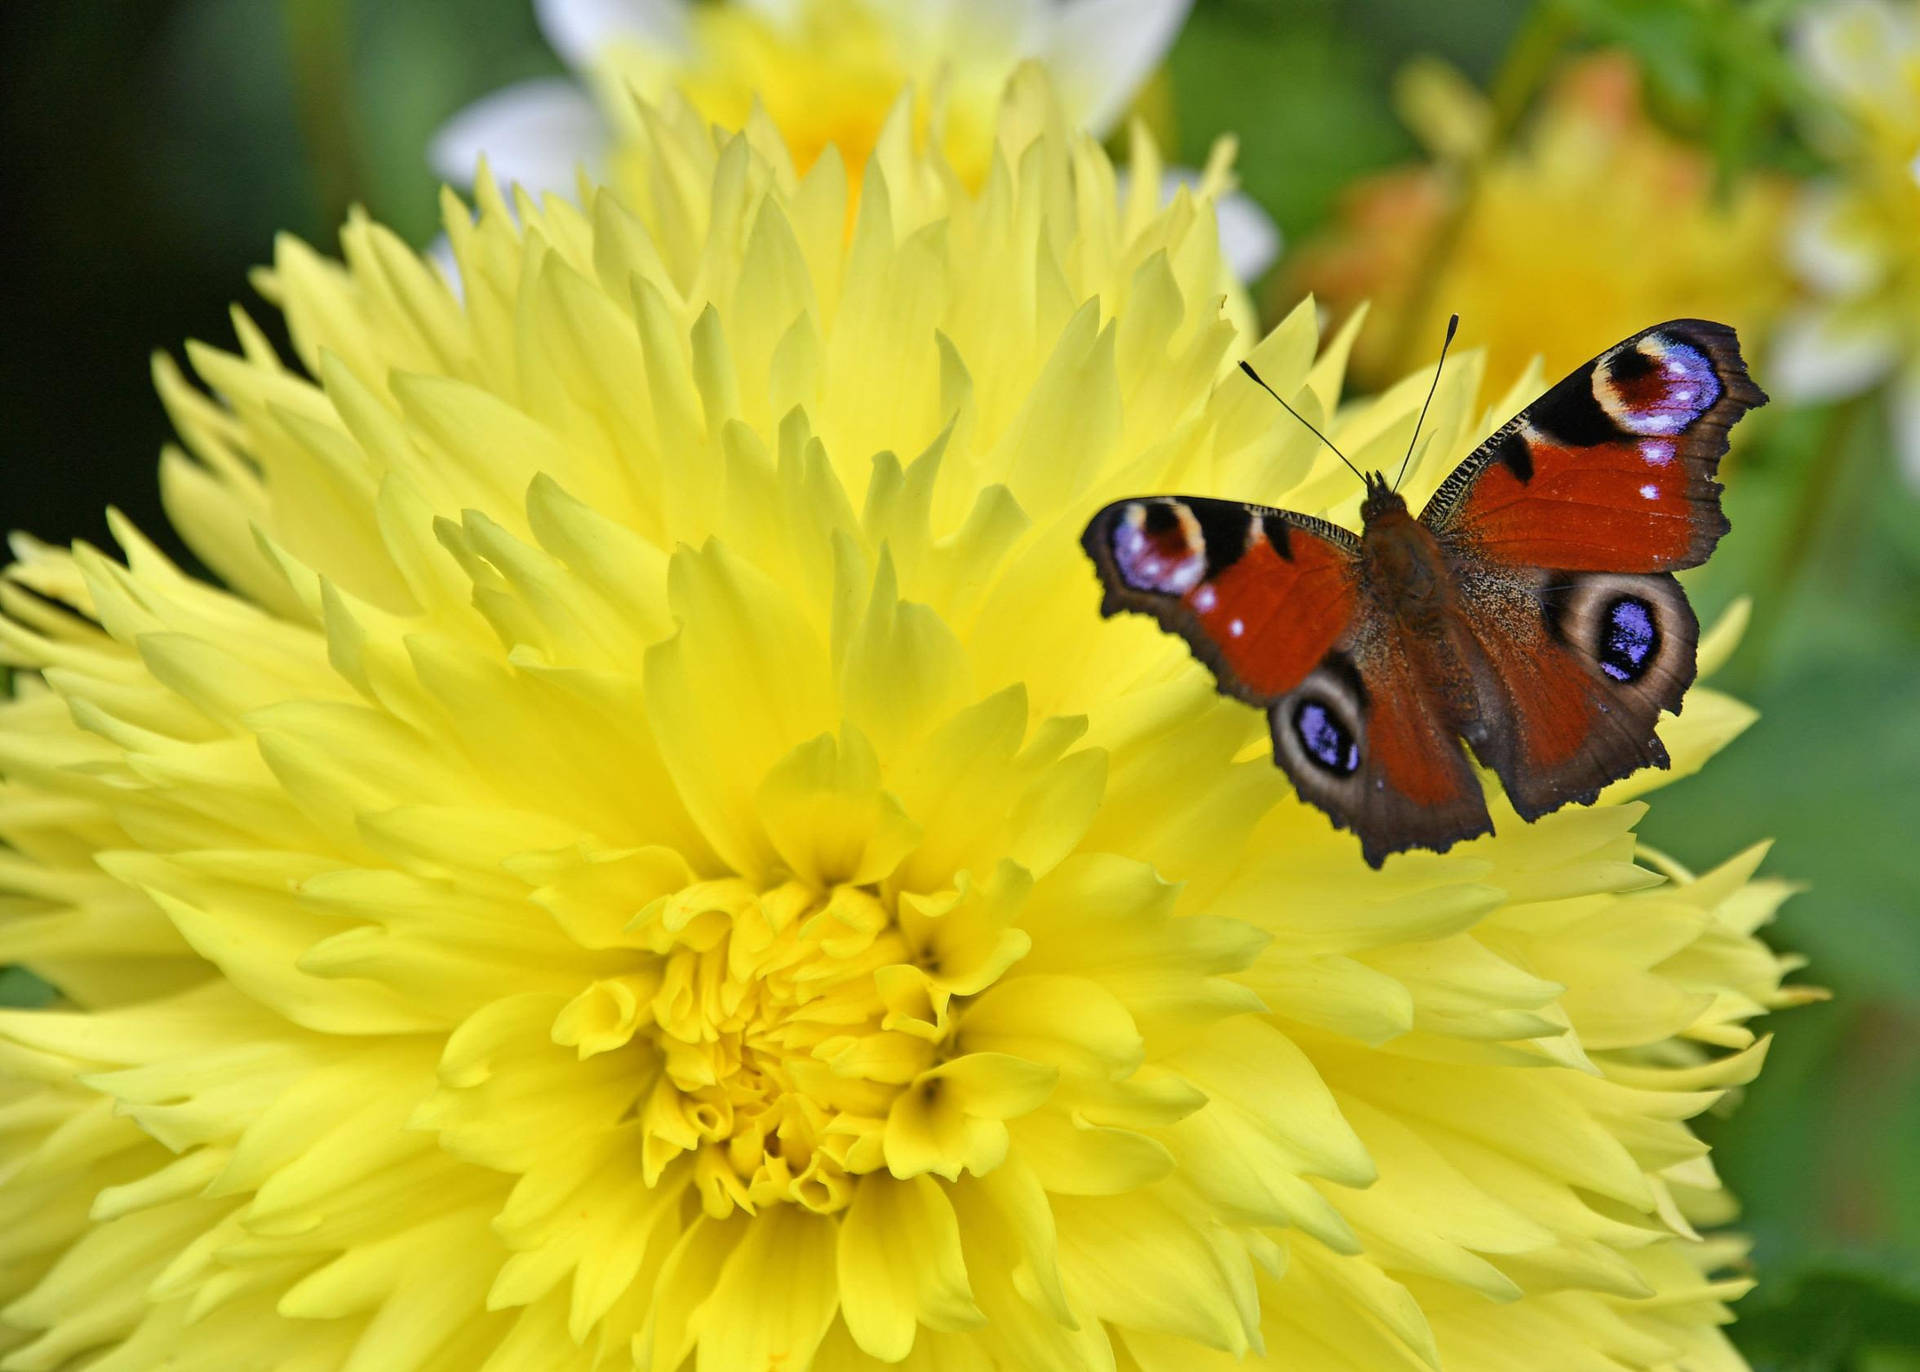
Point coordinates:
[(1204, 599), (1651, 492), (1236, 628)]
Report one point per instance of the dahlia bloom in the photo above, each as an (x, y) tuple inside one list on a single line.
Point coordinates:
[(827, 72), (1592, 225), (653, 859), (1853, 237)]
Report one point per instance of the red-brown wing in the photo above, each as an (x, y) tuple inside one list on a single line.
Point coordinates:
[(1612, 470), (1371, 738), (1562, 531), (1570, 674), (1269, 601), (1260, 595)]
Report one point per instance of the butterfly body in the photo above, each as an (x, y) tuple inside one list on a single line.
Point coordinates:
[(1528, 613)]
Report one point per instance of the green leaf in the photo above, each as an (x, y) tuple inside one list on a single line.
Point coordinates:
[(1302, 138), (1847, 1312), (21, 989), (1717, 71)]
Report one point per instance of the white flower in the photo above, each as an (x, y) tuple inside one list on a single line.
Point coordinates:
[(1854, 243), (827, 71)]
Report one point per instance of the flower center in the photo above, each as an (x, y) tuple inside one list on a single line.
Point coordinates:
[(778, 1028), (831, 74)]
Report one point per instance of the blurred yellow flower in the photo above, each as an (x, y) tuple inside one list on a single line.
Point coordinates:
[(1594, 224), (827, 74), (655, 858), (1856, 236)]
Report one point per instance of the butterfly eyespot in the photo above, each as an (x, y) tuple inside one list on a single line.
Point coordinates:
[(1326, 741), (1158, 546), (1629, 639), (1658, 386)]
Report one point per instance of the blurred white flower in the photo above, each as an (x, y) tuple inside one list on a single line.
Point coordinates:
[(1855, 244), (826, 72)]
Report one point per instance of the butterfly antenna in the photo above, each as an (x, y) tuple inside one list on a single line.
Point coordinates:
[(1302, 418), (1453, 325)]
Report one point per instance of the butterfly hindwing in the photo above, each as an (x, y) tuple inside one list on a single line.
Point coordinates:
[(1574, 670), (1371, 738), (1612, 470)]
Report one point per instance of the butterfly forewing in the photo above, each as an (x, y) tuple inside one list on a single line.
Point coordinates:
[(1612, 470), (1259, 594)]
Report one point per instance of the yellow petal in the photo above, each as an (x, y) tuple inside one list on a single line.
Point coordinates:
[(900, 1264), (775, 1295)]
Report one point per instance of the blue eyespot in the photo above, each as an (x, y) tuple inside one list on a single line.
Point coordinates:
[(1659, 387), (1325, 739), (1629, 639)]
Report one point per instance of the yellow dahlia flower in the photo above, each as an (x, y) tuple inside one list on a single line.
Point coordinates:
[(1856, 235), (654, 860), (828, 74), (1593, 225)]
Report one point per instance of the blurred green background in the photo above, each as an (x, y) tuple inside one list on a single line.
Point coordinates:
[(152, 151)]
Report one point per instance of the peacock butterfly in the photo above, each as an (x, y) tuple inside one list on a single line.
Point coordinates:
[(1530, 611)]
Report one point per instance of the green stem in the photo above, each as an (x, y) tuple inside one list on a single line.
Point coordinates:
[(1821, 485), (318, 43), (1529, 61)]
